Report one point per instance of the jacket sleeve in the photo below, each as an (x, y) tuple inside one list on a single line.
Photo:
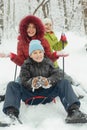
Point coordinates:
[(19, 58), (54, 77), (58, 46), (55, 44), (52, 55), (54, 74), (25, 78)]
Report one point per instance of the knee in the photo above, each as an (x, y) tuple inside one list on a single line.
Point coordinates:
[(12, 84), (64, 81)]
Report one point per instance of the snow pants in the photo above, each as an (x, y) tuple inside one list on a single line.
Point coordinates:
[(15, 93)]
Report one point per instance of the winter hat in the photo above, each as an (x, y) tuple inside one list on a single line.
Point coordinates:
[(47, 20), (40, 30), (35, 45)]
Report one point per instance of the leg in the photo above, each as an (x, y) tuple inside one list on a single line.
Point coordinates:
[(66, 94), (13, 96), (71, 103)]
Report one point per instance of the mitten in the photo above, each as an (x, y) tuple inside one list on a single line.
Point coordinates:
[(45, 83), (62, 54), (63, 38), (36, 83)]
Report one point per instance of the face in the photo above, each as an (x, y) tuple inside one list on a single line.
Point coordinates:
[(31, 30), (37, 55), (48, 27)]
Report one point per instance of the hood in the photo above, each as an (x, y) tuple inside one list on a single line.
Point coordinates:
[(24, 24)]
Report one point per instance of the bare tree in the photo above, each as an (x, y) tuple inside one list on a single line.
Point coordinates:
[(45, 9), (84, 6), (38, 7), (1, 18), (65, 15)]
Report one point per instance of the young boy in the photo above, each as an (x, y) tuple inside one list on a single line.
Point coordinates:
[(40, 82)]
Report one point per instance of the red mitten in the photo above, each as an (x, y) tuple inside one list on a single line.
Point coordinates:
[(63, 38)]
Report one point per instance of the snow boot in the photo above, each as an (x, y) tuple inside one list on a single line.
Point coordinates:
[(11, 117), (13, 114), (12, 111), (75, 115)]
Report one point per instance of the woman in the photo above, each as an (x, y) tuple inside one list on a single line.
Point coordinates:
[(30, 27)]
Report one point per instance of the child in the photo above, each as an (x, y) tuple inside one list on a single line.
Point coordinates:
[(58, 45), (40, 82)]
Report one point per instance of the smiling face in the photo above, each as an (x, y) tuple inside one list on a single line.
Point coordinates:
[(31, 30), (48, 27), (37, 55)]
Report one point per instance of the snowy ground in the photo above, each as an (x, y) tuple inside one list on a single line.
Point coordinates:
[(50, 116)]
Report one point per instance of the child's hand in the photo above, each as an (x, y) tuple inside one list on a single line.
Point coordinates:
[(45, 83), (35, 84), (63, 38)]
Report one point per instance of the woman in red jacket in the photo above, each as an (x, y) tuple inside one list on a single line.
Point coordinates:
[(30, 27)]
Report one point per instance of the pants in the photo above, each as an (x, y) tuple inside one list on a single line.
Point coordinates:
[(15, 93)]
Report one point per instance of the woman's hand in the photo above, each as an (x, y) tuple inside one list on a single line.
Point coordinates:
[(3, 55)]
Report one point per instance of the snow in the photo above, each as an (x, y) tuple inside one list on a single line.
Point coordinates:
[(50, 116)]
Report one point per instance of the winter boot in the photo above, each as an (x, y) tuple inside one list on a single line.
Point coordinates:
[(13, 114), (75, 115)]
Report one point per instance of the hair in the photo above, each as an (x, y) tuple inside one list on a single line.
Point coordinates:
[(24, 24)]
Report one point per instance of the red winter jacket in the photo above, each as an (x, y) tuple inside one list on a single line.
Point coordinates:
[(24, 40), (23, 52)]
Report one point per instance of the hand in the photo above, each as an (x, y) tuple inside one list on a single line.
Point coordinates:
[(62, 54), (36, 83), (63, 38), (45, 83), (3, 55)]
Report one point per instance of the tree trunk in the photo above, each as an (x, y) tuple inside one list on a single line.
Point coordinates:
[(84, 6)]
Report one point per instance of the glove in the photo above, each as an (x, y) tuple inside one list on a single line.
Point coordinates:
[(63, 38), (62, 54), (12, 55), (44, 82), (40, 82), (36, 83)]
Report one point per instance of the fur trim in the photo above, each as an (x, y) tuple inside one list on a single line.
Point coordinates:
[(24, 24)]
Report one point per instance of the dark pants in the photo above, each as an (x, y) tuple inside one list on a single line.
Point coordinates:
[(15, 92)]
